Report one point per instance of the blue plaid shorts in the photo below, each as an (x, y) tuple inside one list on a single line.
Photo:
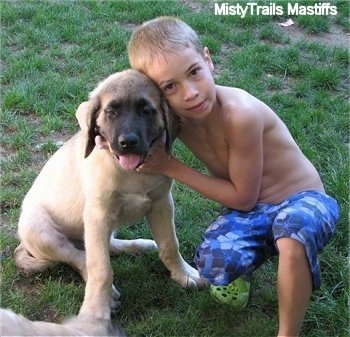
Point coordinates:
[(237, 243)]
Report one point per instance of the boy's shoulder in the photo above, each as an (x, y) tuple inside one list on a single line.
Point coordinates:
[(235, 97), (231, 92), (236, 102)]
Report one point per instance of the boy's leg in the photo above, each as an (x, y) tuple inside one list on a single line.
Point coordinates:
[(235, 244), (294, 286), (301, 230)]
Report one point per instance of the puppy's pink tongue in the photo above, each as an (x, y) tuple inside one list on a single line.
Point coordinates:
[(129, 161)]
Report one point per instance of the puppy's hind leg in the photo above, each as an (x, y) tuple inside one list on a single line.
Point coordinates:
[(118, 246), (30, 264), (27, 262), (135, 246), (42, 245)]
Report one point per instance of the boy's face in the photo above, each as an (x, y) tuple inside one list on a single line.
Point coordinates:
[(186, 80)]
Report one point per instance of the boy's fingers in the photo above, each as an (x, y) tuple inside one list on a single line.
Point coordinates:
[(99, 142)]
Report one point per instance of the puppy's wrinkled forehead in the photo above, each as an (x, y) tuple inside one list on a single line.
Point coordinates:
[(128, 87)]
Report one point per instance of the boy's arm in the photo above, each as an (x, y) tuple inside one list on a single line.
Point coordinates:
[(245, 162)]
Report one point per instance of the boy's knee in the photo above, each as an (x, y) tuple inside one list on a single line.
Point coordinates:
[(219, 267), (290, 248)]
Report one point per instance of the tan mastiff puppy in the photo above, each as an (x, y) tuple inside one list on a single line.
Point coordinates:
[(84, 193)]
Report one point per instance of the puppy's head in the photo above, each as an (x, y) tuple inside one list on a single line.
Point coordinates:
[(130, 114)]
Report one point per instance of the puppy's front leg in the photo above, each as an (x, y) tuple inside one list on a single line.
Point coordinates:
[(161, 221), (99, 271)]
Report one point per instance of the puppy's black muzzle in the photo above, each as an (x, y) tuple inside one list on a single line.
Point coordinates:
[(128, 141)]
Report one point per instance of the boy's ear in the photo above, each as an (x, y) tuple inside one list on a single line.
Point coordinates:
[(207, 58)]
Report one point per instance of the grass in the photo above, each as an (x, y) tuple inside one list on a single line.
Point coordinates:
[(54, 52)]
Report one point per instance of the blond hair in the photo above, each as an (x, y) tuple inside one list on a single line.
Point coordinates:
[(163, 34)]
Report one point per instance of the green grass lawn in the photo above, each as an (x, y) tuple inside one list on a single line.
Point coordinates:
[(53, 53)]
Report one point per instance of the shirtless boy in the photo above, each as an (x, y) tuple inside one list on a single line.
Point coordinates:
[(274, 198)]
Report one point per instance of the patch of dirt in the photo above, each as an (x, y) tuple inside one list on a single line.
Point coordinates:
[(32, 290), (27, 288), (50, 315), (39, 155), (195, 6), (336, 36)]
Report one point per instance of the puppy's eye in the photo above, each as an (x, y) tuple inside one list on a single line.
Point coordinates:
[(111, 112), (146, 111)]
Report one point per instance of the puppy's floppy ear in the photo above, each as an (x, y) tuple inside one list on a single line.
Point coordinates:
[(82, 115), (87, 115), (172, 124)]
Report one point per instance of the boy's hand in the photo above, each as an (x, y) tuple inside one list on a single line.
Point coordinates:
[(158, 161), (100, 143)]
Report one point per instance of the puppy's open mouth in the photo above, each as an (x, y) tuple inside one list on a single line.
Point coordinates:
[(130, 161)]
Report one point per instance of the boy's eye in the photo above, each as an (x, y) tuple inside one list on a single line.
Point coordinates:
[(195, 71), (169, 87)]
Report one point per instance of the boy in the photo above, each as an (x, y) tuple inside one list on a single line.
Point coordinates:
[(274, 198)]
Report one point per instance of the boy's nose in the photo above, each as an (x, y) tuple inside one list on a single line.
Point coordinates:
[(190, 92)]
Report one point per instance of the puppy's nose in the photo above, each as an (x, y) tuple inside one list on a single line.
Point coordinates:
[(128, 141)]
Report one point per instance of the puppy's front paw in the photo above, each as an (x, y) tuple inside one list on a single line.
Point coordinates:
[(188, 277), (115, 300)]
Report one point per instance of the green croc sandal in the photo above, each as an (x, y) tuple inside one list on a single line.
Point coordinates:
[(236, 294)]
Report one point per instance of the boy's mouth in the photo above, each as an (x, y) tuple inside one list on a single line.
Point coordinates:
[(197, 107)]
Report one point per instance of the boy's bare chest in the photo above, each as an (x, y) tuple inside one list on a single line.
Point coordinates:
[(211, 149)]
